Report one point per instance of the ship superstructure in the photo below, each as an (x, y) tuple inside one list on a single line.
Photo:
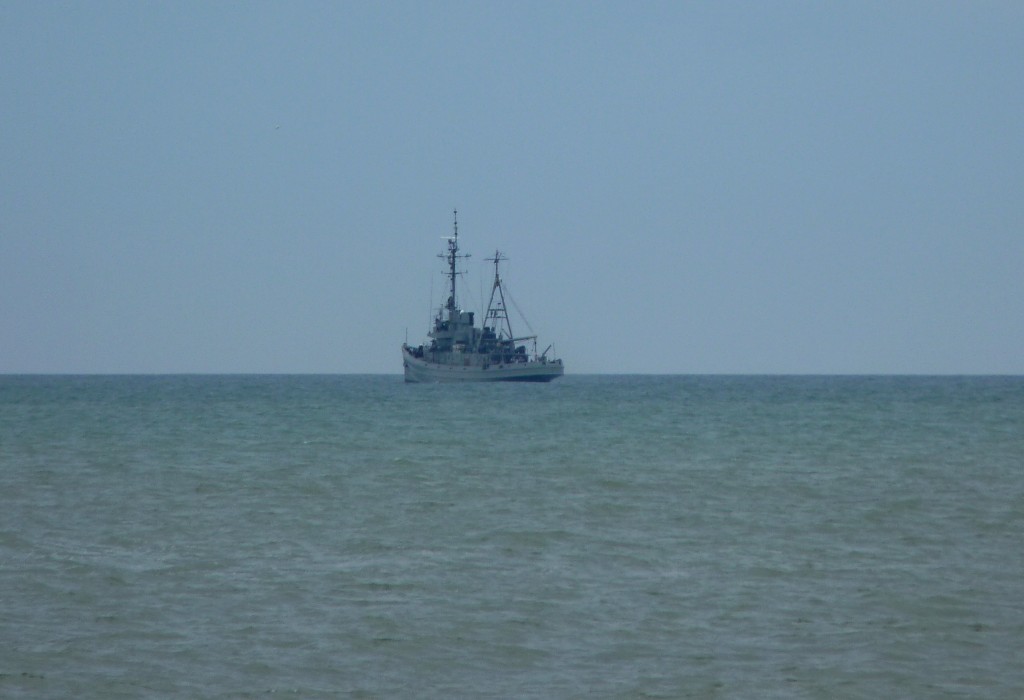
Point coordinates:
[(458, 350)]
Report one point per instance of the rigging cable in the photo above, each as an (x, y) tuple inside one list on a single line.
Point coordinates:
[(521, 314)]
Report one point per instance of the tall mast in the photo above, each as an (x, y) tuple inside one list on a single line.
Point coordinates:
[(452, 256)]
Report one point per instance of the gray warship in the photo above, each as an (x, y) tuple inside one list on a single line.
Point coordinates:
[(459, 351)]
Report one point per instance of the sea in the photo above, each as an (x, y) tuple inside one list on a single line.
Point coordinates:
[(595, 537)]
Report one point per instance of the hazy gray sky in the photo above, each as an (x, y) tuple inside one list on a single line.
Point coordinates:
[(724, 187)]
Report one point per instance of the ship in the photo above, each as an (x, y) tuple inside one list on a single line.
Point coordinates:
[(461, 351)]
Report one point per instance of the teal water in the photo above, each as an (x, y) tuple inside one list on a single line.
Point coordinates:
[(615, 537)]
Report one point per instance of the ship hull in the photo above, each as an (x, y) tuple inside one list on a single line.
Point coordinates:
[(419, 370)]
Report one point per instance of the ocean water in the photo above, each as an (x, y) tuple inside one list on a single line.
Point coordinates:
[(610, 537)]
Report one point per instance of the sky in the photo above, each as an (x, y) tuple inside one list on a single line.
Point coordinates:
[(680, 187)]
